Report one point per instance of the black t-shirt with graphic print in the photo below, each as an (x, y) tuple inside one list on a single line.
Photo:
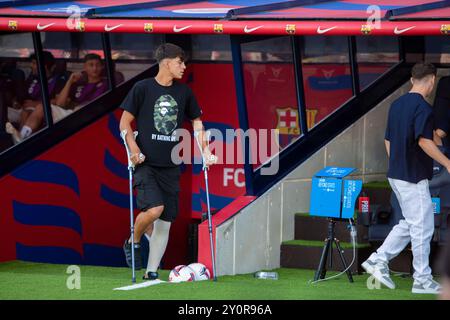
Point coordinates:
[(159, 112)]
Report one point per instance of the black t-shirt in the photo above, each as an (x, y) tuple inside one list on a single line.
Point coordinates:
[(410, 117), (442, 107), (159, 112)]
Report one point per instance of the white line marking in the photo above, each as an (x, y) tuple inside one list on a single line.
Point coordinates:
[(141, 285)]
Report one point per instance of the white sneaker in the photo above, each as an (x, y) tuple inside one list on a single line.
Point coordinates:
[(379, 271), (428, 287)]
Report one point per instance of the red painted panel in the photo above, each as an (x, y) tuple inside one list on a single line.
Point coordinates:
[(204, 248), (388, 28)]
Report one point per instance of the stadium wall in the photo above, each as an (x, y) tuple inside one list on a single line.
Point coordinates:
[(244, 246)]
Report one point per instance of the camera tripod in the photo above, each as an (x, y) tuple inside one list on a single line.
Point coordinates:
[(328, 251)]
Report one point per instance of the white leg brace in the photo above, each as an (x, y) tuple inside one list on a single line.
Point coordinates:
[(158, 244)]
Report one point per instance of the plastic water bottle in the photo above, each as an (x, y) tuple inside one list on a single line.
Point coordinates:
[(266, 275)]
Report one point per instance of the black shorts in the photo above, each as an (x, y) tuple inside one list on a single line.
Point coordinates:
[(157, 186)]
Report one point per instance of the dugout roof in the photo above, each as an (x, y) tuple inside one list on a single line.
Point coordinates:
[(346, 17)]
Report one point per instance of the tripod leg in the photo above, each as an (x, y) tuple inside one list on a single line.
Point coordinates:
[(321, 271), (330, 254), (344, 262)]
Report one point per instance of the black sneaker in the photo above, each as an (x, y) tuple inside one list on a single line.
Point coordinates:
[(150, 276), (137, 254)]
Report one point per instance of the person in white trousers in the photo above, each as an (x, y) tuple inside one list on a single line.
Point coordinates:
[(411, 150)]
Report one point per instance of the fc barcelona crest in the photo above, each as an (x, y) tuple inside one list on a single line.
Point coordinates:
[(288, 121), (366, 29), (445, 29), (148, 27), (218, 28), (13, 25), (80, 26), (291, 28)]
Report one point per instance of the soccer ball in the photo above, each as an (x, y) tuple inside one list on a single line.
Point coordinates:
[(181, 273), (200, 271)]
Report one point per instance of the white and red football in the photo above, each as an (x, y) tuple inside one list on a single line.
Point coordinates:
[(181, 273)]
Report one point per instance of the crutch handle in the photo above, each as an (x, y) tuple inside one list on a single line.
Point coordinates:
[(211, 158), (123, 135)]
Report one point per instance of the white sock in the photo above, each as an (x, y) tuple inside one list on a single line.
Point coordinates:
[(158, 244), (25, 132)]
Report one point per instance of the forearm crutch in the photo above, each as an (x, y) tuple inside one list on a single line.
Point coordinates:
[(205, 172), (123, 134)]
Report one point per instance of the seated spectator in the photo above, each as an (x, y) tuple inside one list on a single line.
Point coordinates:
[(12, 80), (29, 99), (83, 87), (80, 88)]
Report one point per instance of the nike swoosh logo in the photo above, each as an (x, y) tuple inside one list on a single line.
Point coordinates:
[(400, 31), (322, 31), (40, 28), (107, 29), (248, 30), (175, 29)]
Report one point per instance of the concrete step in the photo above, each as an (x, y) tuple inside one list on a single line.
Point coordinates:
[(403, 262), (316, 229), (310, 232), (306, 255)]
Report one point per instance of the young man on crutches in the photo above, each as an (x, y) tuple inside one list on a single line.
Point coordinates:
[(158, 105)]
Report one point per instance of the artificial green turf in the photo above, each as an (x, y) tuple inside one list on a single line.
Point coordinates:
[(302, 214), (24, 280), (313, 243)]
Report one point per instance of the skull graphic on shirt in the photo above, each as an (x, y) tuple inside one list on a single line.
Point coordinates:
[(165, 114)]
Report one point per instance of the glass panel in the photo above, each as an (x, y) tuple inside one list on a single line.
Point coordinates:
[(270, 91), (61, 44), (20, 90), (210, 75), (79, 74), (437, 49), (375, 56), (326, 76), (88, 43), (133, 53), (17, 45), (211, 48)]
